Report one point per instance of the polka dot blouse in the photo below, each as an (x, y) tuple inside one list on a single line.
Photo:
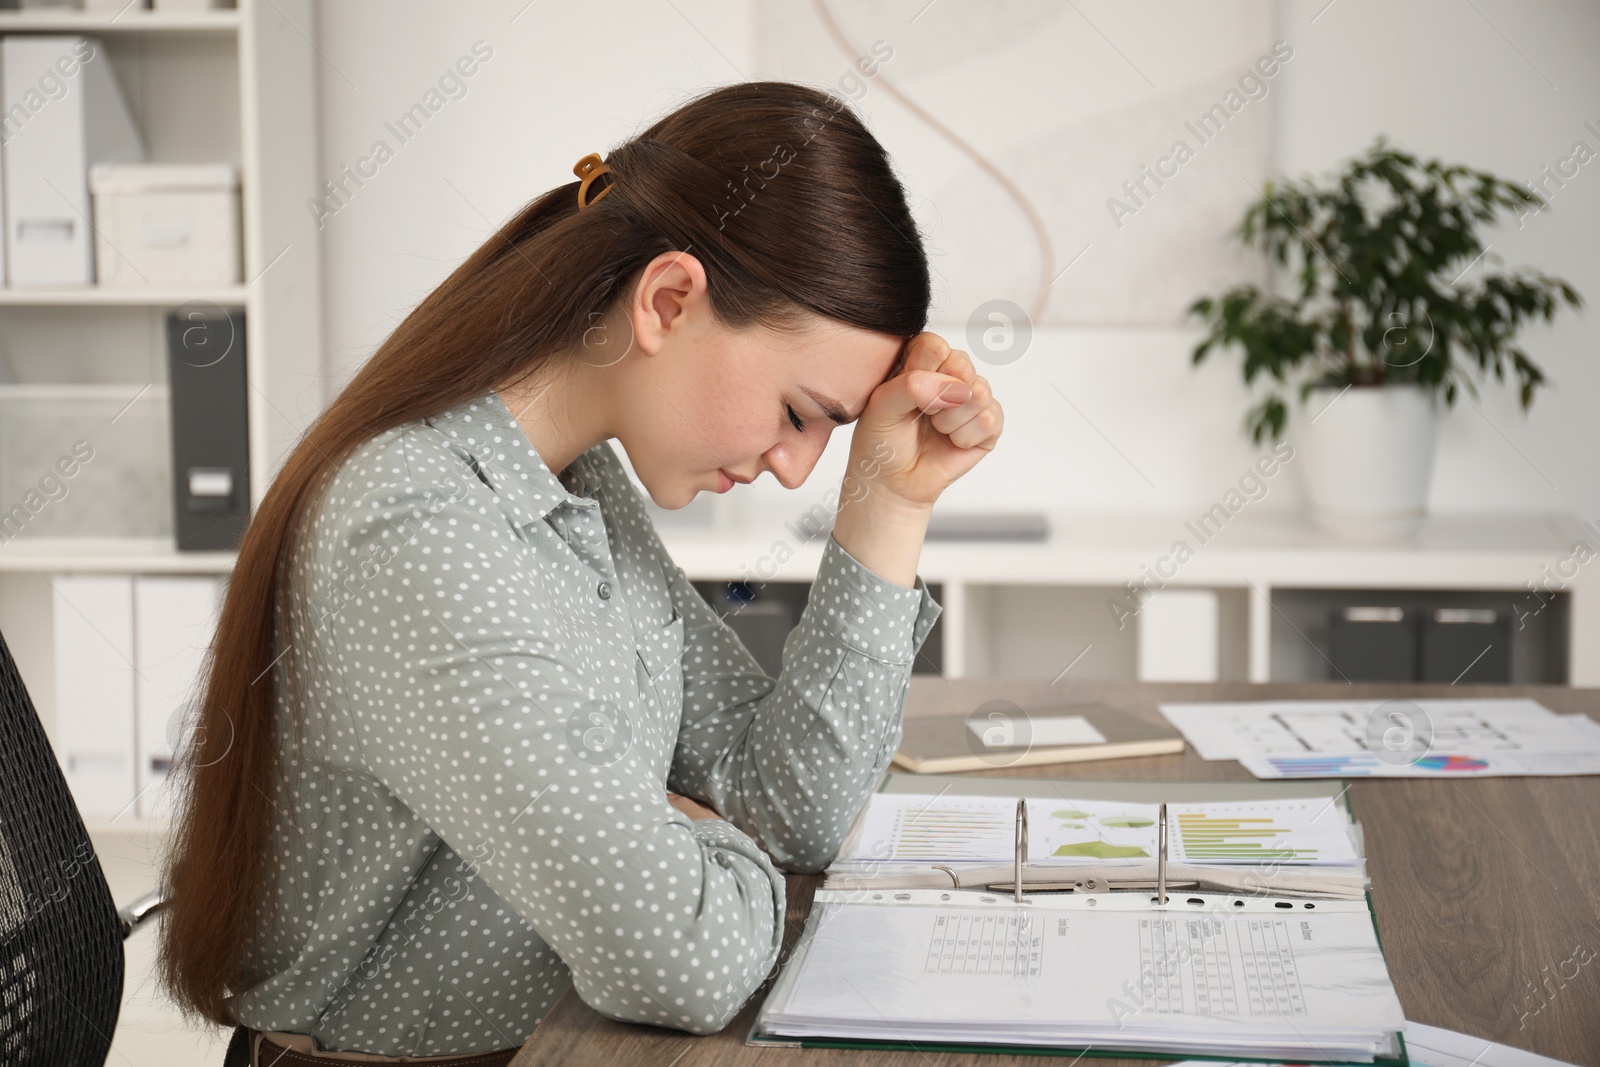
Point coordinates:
[(502, 673)]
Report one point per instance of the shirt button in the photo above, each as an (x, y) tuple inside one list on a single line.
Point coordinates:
[(605, 590)]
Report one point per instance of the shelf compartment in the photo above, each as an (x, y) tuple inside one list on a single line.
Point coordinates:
[(109, 555), (85, 461), (132, 22), (98, 296)]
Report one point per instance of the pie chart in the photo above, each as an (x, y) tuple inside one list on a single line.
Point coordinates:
[(1452, 763)]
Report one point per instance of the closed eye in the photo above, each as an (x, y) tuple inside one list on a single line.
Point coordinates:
[(795, 420)]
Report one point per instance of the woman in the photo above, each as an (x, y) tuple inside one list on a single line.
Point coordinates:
[(468, 733)]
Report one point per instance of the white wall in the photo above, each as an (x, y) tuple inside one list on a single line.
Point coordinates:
[(563, 80), (1497, 85), (1504, 87)]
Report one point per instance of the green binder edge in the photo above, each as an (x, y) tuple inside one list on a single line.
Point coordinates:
[(760, 1039)]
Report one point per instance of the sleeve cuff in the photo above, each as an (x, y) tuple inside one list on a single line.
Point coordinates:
[(727, 841), (867, 613)]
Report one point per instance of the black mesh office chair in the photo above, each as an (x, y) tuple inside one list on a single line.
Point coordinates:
[(61, 964)]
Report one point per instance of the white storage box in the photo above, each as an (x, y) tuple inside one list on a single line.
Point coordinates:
[(165, 223), (89, 461)]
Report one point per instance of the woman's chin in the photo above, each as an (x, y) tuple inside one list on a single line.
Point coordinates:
[(675, 499)]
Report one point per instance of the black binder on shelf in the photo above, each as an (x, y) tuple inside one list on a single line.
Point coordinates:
[(210, 427)]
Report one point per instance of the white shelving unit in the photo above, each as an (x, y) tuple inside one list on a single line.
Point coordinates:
[(1030, 608), (93, 296), (127, 21), (216, 86), (232, 86)]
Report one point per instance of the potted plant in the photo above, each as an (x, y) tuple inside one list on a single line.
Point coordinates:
[(1394, 312)]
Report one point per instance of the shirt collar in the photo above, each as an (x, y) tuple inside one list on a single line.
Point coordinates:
[(486, 429)]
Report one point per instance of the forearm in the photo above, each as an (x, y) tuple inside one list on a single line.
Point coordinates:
[(884, 534), (792, 766)]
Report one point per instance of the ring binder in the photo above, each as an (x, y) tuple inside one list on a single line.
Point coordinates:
[(1161, 856), (965, 972), (1022, 848), (1092, 883), (1198, 958), (861, 867)]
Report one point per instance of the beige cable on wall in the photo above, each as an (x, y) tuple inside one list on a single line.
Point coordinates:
[(1046, 252)]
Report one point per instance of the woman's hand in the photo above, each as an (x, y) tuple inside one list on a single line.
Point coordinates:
[(900, 462), (691, 808), (910, 459)]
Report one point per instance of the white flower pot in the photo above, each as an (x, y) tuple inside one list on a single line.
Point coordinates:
[(1367, 457)]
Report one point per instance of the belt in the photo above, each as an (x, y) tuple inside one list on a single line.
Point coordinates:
[(275, 1048)]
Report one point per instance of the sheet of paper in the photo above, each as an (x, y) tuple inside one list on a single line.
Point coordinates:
[(1203, 977), (1042, 732), (909, 828), (1393, 738), (1429, 1046), (1583, 726), (1451, 765)]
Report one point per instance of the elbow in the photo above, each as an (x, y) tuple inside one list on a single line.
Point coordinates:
[(710, 1015), (698, 1010), (803, 846), (801, 854), (695, 987), (806, 862)]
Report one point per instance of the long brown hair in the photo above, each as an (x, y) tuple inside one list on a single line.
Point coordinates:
[(790, 204)]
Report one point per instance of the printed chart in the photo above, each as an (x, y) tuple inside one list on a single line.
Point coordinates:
[(1391, 738), (1203, 836), (1191, 966), (986, 943), (1091, 830), (1364, 763), (905, 828), (953, 828)]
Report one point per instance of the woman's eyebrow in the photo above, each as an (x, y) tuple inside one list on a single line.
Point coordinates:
[(835, 410), (830, 407)]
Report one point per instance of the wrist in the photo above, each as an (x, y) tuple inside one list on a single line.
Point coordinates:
[(883, 533), (884, 512), (871, 498)]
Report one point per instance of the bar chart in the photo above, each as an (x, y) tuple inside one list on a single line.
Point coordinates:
[(1203, 836)]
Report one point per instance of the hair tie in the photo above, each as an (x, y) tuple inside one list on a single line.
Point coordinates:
[(589, 168)]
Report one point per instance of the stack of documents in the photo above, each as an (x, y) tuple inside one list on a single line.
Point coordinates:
[(1472, 738), (1230, 976)]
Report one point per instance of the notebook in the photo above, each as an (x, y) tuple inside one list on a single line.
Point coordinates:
[(1018, 738)]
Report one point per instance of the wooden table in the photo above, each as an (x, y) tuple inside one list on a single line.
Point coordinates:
[(1483, 888)]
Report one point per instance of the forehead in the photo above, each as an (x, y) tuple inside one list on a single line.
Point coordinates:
[(836, 360)]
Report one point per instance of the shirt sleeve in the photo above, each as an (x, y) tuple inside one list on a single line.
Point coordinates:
[(470, 705), (790, 760)]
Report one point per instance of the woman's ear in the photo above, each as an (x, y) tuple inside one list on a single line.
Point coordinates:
[(672, 289)]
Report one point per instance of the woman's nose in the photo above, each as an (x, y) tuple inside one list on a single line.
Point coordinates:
[(791, 462)]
